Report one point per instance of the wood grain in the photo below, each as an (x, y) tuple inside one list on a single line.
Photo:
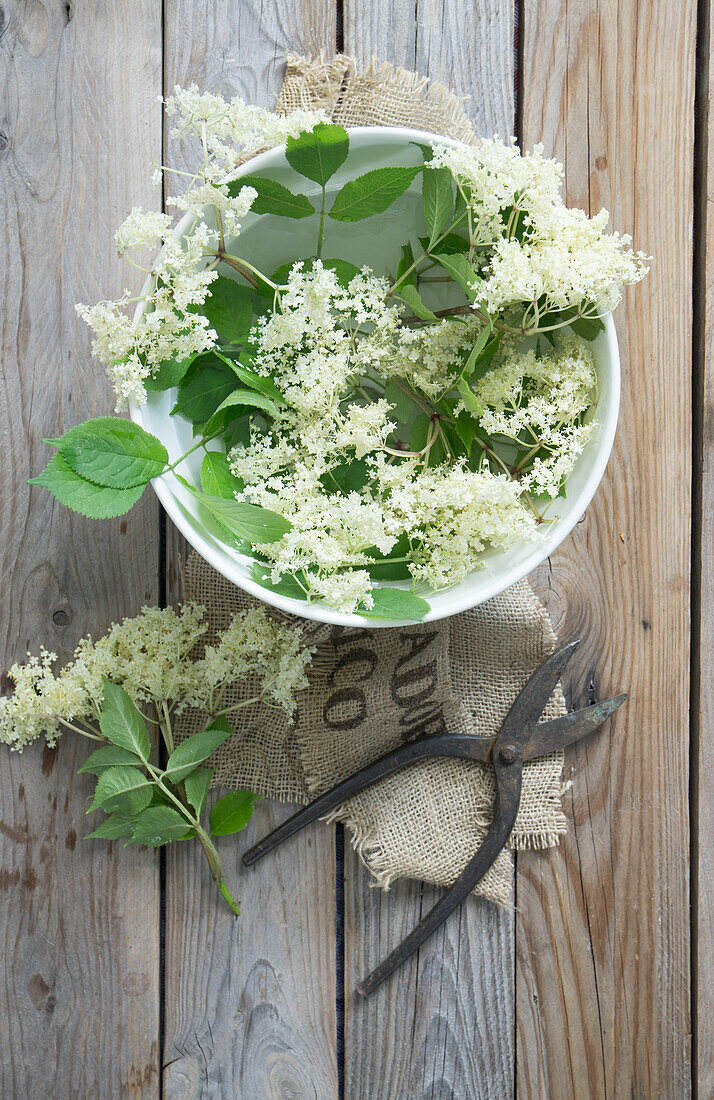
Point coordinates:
[(469, 47), (703, 574), (79, 947), (446, 1020), (603, 981), (249, 1004)]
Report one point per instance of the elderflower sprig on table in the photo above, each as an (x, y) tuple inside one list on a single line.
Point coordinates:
[(363, 443), (149, 669)]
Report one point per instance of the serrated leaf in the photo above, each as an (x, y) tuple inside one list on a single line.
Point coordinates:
[(460, 271), (241, 399), (121, 722), (396, 603), (466, 429), (159, 825), (318, 153), (232, 813), (122, 783), (437, 200), (169, 374), (216, 477), (114, 827), (193, 751), (112, 452), (274, 198), (196, 787), (228, 308), (207, 383), (414, 300), (75, 492), (108, 756), (371, 193), (248, 522)]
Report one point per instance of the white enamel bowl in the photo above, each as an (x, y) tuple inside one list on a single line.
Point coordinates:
[(270, 241)]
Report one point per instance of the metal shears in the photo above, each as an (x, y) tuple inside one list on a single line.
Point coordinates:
[(521, 739)]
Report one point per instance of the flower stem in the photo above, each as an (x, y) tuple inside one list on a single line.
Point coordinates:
[(321, 230)]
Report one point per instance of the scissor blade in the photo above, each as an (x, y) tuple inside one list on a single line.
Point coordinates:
[(529, 705), (559, 732)]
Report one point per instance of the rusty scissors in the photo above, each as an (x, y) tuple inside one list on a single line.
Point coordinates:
[(521, 739)]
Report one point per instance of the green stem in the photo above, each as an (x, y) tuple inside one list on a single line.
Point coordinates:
[(321, 230), (214, 862), (201, 443)]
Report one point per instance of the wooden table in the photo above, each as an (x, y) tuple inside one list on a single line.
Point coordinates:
[(121, 975)]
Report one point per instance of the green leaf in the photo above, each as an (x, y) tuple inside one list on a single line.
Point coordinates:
[(112, 452), (587, 327), (274, 198), (371, 193), (117, 825), (169, 374), (232, 813), (216, 477), (121, 723), (288, 585), (228, 308), (405, 263), (437, 200), (241, 368), (108, 757), (241, 399), (468, 398), (75, 492), (413, 299), (119, 781), (460, 271), (207, 383), (449, 245), (193, 751), (386, 570), (196, 787), (246, 521), (466, 429), (317, 154), (476, 351), (396, 603), (160, 825)]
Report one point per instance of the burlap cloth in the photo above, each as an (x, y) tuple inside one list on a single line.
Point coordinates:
[(372, 690)]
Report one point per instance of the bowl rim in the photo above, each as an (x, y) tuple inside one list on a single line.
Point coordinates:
[(501, 580)]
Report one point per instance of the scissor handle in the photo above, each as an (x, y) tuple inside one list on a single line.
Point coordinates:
[(459, 745), (509, 776)]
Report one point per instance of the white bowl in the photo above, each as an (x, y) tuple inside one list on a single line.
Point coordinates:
[(371, 242)]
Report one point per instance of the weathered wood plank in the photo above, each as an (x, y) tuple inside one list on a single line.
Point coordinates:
[(603, 981), (446, 1021), (79, 945), (250, 1004), (467, 46), (703, 573)]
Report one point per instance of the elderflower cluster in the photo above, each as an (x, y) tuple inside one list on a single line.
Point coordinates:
[(540, 402), (172, 325), (153, 657), (329, 350), (541, 254)]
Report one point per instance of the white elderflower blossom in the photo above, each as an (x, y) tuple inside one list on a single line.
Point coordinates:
[(141, 229), (152, 657)]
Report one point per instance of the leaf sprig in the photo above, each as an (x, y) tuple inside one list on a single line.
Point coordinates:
[(146, 803)]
